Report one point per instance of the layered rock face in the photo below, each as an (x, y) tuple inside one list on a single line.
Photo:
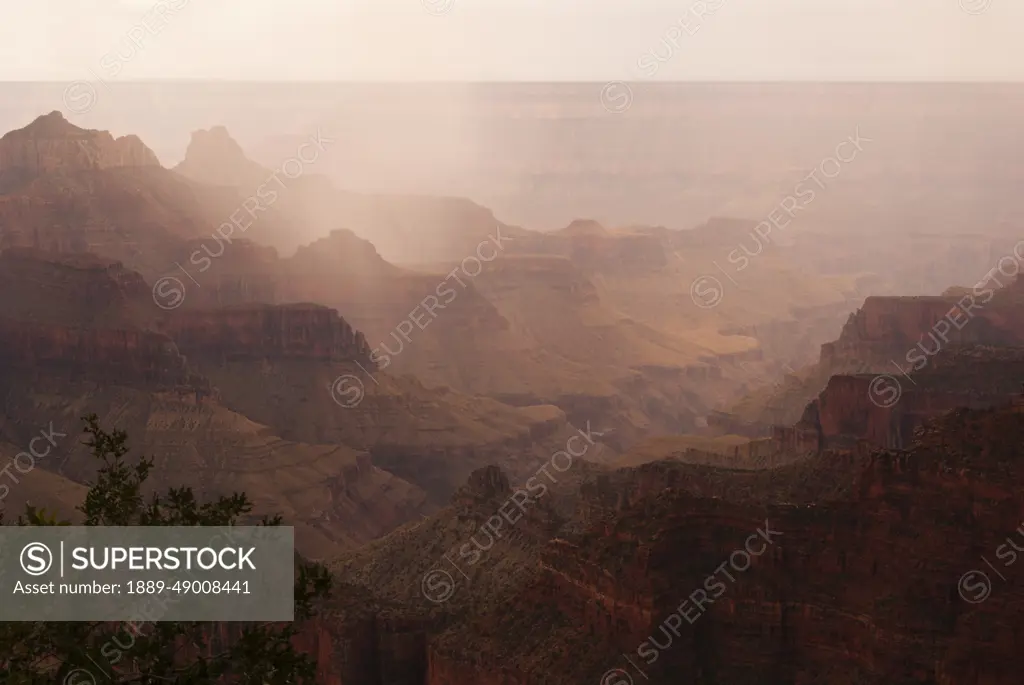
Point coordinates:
[(902, 337), (430, 437), (72, 288), (860, 412), (311, 376), (79, 334), (468, 329), (890, 327), (254, 332), (239, 272), (51, 143), (113, 355), (846, 569), (31, 222), (214, 157), (72, 190), (536, 303), (77, 316), (390, 588), (336, 497), (848, 410)]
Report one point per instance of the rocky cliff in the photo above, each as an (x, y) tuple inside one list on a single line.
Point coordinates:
[(80, 316), (887, 329), (854, 407), (842, 570), (336, 497), (268, 332), (214, 157), (292, 367), (51, 143), (117, 356), (864, 411), (72, 190), (80, 334), (432, 437), (81, 289), (901, 337), (497, 286)]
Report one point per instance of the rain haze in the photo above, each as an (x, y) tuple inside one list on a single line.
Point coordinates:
[(569, 341)]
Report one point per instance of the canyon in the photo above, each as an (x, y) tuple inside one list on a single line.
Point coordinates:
[(494, 282), (403, 379), (900, 338), (845, 591), (74, 342)]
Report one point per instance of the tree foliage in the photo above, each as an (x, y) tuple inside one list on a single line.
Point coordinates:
[(160, 653)]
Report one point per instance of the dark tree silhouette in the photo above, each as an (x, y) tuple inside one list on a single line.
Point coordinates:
[(179, 653)]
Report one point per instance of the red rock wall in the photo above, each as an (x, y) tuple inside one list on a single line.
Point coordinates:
[(887, 318), (851, 408), (112, 355), (887, 328), (864, 592), (50, 143), (268, 332)]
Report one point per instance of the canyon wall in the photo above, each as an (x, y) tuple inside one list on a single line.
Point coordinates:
[(245, 332), (887, 329), (904, 338), (50, 144), (78, 316), (121, 356), (862, 590)]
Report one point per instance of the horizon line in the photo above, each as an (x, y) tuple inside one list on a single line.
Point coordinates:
[(599, 82)]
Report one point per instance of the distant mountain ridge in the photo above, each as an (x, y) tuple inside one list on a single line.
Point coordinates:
[(51, 144)]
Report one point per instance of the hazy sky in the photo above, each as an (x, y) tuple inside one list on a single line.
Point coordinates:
[(974, 40)]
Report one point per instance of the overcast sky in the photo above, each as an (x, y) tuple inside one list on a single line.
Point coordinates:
[(537, 40)]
